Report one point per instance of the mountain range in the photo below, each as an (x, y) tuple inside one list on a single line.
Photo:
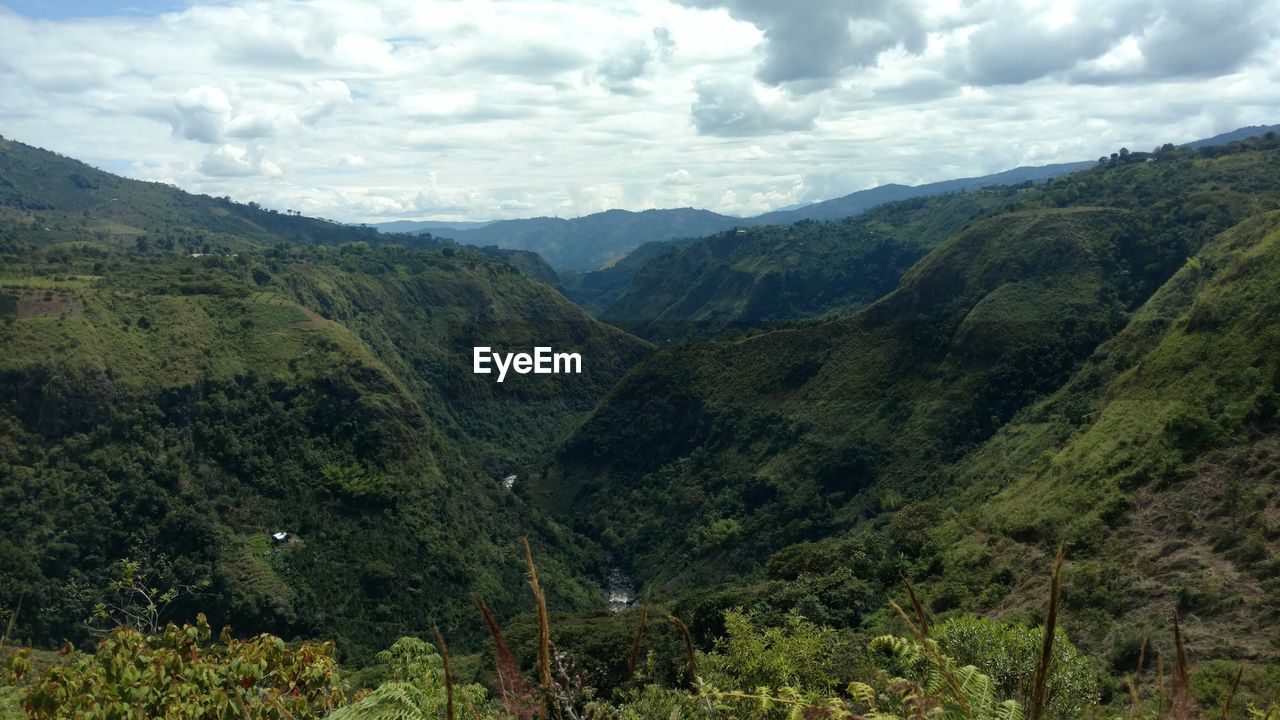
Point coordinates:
[(584, 244), (775, 427)]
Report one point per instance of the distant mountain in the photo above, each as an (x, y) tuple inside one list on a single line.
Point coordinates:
[(586, 243), (592, 240), (793, 270), (1234, 135), (433, 226), (863, 200)]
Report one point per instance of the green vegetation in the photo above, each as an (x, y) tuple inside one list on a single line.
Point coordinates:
[(146, 417), (179, 674), (751, 277), (1082, 366), (940, 390), (174, 411), (967, 668)]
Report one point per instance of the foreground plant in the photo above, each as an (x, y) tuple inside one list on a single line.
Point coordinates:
[(180, 675)]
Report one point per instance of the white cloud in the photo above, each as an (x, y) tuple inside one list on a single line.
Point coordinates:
[(233, 161), (677, 177), (479, 109)]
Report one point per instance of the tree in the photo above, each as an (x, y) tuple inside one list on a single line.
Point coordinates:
[(136, 599)]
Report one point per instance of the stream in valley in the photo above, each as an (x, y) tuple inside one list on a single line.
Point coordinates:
[(620, 589)]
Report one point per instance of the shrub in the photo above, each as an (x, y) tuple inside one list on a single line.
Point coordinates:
[(180, 675), (1008, 653)]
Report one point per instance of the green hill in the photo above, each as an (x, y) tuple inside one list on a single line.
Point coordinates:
[(178, 407), (47, 199), (751, 277), (1055, 372)]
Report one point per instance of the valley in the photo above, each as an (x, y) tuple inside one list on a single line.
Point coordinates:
[(770, 429)]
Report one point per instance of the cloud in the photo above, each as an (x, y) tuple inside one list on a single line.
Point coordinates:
[(677, 177), (249, 127), (732, 109), (202, 114), (232, 161), (623, 72), (534, 58), (1206, 39), (323, 98), (484, 109), (1133, 40), (810, 43)]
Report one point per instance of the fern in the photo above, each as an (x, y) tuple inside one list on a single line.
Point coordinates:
[(393, 700)]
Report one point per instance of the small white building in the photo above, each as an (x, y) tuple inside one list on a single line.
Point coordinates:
[(280, 537), (509, 481)]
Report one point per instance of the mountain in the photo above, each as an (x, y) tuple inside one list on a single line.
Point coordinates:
[(76, 202), (863, 200), (596, 290), (1236, 135), (415, 227), (184, 376), (739, 280), (589, 241), (1092, 364), (580, 245), (583, 244), (750, 278)]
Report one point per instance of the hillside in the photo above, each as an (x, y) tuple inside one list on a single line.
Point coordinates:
[(77, 202), (751, 277), (596, 290), (177, 408), (701, 287), (47, 199), (1057, 371), (1156, 461)]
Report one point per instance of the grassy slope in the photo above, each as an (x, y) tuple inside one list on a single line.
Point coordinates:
[(424, 317), (1156, 464), (156, 404), (783, 429), (810, 432), (174, 407)]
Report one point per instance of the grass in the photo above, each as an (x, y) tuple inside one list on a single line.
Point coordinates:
[(50, 283)]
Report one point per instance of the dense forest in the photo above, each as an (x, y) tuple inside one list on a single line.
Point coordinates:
[(1010, 452)]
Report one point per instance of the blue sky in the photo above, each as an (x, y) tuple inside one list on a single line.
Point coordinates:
[(71, 9)]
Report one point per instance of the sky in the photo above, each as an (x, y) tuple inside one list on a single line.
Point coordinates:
[(365, 111)]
